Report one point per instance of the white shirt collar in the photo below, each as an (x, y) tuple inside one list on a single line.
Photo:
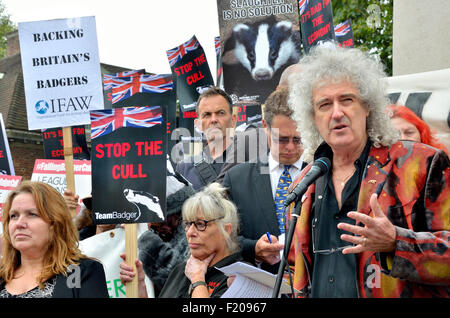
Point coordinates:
[(273, 164)]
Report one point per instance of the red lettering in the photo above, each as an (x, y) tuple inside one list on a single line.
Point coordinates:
[(317, 21), (200, 60), (317, 8), (99, 151), (194, 78), (190, 114), (1, 154), (57, 153), (109, 97), (185, 68), (149, 148), (127, 172)]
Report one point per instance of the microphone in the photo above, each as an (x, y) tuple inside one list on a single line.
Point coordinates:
[(318, 169)]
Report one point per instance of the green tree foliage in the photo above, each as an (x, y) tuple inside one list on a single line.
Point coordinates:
[(372, 22), (6, 26)]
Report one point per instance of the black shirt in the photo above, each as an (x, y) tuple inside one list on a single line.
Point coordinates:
[(177, 284), (334, 274)]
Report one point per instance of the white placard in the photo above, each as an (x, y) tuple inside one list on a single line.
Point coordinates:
[(53, 172), (61, 71)]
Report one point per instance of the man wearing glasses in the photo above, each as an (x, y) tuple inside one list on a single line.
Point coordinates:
[(258, 188), (377, 224)]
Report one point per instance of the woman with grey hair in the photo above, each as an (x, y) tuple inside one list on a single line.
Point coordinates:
[(211, 226), (380, 199)]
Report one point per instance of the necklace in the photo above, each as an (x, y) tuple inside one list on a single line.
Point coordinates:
[(343, 181)]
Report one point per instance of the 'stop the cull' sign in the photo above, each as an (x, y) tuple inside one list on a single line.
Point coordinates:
[(61, 71)]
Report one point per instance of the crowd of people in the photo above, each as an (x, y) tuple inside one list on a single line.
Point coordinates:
[(376, 224)]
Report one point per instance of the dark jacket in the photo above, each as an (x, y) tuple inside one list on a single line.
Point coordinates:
[(177, 284), (87, 280), (412, 182)]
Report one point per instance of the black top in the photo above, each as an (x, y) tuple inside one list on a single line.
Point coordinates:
[(177, 284), (87, 280), (334, 274)]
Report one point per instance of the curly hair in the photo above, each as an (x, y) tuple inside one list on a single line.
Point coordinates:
[(326, 64), (62, 249)]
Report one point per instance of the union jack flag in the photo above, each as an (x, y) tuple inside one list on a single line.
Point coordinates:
[(125, 87), (110, 79), (176, 54), (106, 121), (217, 44), (302, 4), (342, 28)]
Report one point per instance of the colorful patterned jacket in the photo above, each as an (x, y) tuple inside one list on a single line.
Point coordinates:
[(413, 184)]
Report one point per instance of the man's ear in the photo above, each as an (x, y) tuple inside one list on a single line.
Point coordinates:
[(264, 124), (198, 124)]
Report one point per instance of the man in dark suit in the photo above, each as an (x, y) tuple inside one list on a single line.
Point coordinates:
[(254, 186)]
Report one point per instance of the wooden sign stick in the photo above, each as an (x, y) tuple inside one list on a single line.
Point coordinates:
[(68, 158), (131, 254)]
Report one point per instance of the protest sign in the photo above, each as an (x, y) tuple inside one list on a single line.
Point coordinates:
[(107, 247), (6, 163), (316, 20), (145, 91), (53, 172), (428, 95), (54, 145), (110, 79), (7, 183), (259, 40), (247, 114), (129, 165), (191, 71), (219, 67), (61, 71), (344, 34)]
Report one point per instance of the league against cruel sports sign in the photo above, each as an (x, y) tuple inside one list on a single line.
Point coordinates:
[(61, 71)]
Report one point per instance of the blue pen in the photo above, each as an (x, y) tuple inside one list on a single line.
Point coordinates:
[(268, 237)]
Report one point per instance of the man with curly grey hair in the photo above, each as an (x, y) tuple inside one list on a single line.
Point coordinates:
[(377, 223)]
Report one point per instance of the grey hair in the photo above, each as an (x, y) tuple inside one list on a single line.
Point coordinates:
[(212, 203), (333, 64)]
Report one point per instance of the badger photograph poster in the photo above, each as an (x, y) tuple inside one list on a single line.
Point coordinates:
[(54, 143), (61, 71), (128, 165), (316, 20), (191, 70), (260, 38)]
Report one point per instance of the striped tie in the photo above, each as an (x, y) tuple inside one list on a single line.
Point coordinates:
[(280, 195)]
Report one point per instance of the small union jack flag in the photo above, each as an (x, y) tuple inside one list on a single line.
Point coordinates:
[(110, 79), (125, 87), (217, 45), (302, 4), (105, 121), (176, 54), (342, 28)]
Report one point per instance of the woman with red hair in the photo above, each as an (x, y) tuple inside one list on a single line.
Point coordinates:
[(411, 127)]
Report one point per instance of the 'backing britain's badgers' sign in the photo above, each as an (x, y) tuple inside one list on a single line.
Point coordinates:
[(61, 71)]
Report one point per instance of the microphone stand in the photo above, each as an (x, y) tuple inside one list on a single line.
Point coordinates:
[(287, 245)]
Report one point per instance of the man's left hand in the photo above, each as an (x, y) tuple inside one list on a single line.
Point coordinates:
[(378, 233)]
